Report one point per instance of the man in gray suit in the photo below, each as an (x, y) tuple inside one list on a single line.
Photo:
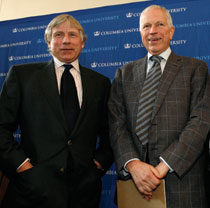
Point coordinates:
[(179, 124)]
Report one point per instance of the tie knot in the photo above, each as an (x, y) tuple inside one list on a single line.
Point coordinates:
[(67, 67), (156, 59)]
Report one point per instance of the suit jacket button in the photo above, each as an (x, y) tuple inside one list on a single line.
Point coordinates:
[(62, 170), (69, 142)]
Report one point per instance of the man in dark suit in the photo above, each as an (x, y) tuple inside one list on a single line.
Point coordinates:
[(52, 165), (180, 118)]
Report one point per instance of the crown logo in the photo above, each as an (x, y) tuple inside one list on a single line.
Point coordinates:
[(14, 30), (129, 15), (97, 33), (94, 65), (11, 58), (127, 45)]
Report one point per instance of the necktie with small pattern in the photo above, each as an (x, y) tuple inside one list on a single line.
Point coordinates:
[(147, 100)]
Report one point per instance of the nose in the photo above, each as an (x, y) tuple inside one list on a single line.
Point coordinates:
[(153, 29), (66, 39)]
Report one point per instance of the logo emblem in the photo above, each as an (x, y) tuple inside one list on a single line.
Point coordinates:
[(127, 45), (94, 65), (129, 15), (14, 30), (97, 33), (11, 58)]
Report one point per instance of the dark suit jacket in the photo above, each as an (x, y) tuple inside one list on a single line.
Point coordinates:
[(30, 99), (180, 124)]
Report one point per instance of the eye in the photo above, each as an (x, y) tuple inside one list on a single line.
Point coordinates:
[(160, 24), (58, 34), (146, 26), (73, 35)]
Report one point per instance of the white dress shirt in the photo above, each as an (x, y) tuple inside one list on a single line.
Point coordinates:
[(164, 56), (75, 71)]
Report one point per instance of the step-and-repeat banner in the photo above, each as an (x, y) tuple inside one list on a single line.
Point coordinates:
[(113, 39)]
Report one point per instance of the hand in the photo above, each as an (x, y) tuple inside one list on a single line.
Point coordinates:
[(98, 164), (145, 176), (27, 165), (162, 169)]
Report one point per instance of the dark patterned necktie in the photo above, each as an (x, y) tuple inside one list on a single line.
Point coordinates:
[(147, 100), (69, 98)]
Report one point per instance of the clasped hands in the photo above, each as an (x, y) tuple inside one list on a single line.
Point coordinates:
[(146, 177)]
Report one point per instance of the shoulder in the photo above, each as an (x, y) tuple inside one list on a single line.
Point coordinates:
[(30, 66), (91, 73), (131, 69), (28, 70), (133, 64), (189, 66), (187, 61)]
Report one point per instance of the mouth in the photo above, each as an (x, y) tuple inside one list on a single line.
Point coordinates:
[(154, 40), (67, 49)]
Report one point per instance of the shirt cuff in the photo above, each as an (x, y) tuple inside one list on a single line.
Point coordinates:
[(26, 160), (128, 162), (170, 169)]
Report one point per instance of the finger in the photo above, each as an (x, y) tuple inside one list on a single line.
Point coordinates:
[(151, 182), (156, 172), (147, 197), (145, 190), (155, 178), (145, 186)]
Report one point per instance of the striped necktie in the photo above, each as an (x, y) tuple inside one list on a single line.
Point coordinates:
[(69, 98), (147, 100)]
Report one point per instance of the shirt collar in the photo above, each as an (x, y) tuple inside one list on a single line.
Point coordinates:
[(59, 63), (164, 55)]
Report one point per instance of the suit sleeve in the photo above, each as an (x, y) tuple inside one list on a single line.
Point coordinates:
[(184, 151), (120, 136), (11, 154)]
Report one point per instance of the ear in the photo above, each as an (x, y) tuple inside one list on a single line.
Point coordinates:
[(48, 44), (83, 45), (172, 32)]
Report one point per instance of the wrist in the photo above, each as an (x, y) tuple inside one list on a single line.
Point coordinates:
[(130, 165), (27, 165), (162, 169)]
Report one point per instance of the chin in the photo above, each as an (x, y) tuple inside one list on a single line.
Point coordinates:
[(155, 51), (68, 60)]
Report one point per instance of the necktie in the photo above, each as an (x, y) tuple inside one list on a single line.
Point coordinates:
[(69, 98), (147, 100)]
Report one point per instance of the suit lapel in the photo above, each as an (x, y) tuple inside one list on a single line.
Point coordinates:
[(48, 82), (139, 73), (171, 69), (133, 82), (86, 86)]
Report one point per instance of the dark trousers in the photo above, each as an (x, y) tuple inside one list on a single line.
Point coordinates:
[(84, 188)]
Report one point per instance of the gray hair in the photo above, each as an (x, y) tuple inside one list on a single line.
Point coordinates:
[(168, 16), (59, 20)]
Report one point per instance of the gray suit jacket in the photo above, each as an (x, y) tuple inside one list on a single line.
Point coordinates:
[(180, 124)]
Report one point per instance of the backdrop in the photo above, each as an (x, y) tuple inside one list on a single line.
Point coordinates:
[(113, 39)]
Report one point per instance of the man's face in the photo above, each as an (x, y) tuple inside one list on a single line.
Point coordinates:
[(66, 43), (155, 32)]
